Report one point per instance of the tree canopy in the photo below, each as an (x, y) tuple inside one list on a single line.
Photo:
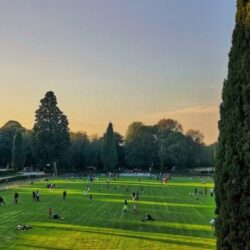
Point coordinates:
[(51, 131), (18, 152), (233, 151), (109, 155)]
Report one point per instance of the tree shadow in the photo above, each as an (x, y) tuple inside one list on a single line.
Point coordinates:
[(196, 245)]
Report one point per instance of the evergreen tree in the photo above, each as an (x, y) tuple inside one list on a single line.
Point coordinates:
[(51, 131), (18, 152), (109, 155), (232, 181)]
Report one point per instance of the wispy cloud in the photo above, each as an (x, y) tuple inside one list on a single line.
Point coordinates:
[(199, 109)]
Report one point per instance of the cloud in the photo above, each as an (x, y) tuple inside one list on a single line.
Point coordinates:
[(200, 109)]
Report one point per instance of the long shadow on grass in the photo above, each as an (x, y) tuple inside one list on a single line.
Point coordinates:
[(170, 241), (25, 246)]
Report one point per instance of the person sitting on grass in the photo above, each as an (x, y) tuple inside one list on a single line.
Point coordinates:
[(57, 217), (148, 217), (2, 202), (24, 227)]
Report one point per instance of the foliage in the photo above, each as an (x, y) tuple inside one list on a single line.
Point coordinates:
[(160, 146), (109, 157), (7, 133), (141, 148), (195, 147), (51, 131), (29, 148), (174, 151), (233, 153), (169, 125), (18, 152), (74, 157)]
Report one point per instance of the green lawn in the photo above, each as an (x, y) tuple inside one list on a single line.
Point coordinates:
[(182, 222)]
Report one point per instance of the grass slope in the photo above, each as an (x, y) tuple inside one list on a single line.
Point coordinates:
[(182, 222)]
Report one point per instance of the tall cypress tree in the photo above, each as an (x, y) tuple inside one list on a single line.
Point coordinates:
[(18, 153), (109, 156), (232, 180), (51, 131)]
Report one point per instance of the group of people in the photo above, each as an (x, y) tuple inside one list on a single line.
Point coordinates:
[(51, 186), (135, 196), (54, 215), (147, 217), (36, 195), (86, 192), (200, 192), (3, 203)]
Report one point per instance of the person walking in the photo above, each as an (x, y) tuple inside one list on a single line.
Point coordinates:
[(16, 197), (50, 212), (64, 195), (37, 196), (34, 195)]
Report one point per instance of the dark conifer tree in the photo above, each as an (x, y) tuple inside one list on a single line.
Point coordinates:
[(109, 155), (232, 181), (51, 131)]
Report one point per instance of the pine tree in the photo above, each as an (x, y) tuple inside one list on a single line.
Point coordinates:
[(51, 131), (232, 180), (18, 153), (109, 156)]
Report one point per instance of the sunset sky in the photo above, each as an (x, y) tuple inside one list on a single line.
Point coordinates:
[(116, 60)]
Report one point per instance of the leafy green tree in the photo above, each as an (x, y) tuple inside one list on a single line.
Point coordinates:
[(195, 141), (75, 158), (120, 146), (141, 146), (7, 133), (51, 131), (208, 155), (29, 148), (166, 126), (92, 152), (18, 152), (170, 125), (232, 182), (173, 151), (109, 155), (162, 155)]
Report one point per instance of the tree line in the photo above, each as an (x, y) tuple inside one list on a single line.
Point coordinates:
[(160, 147)]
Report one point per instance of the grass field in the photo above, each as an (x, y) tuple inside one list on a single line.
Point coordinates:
[(182, 222)]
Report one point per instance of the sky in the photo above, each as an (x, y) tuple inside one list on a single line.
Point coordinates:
[(116, 60)]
